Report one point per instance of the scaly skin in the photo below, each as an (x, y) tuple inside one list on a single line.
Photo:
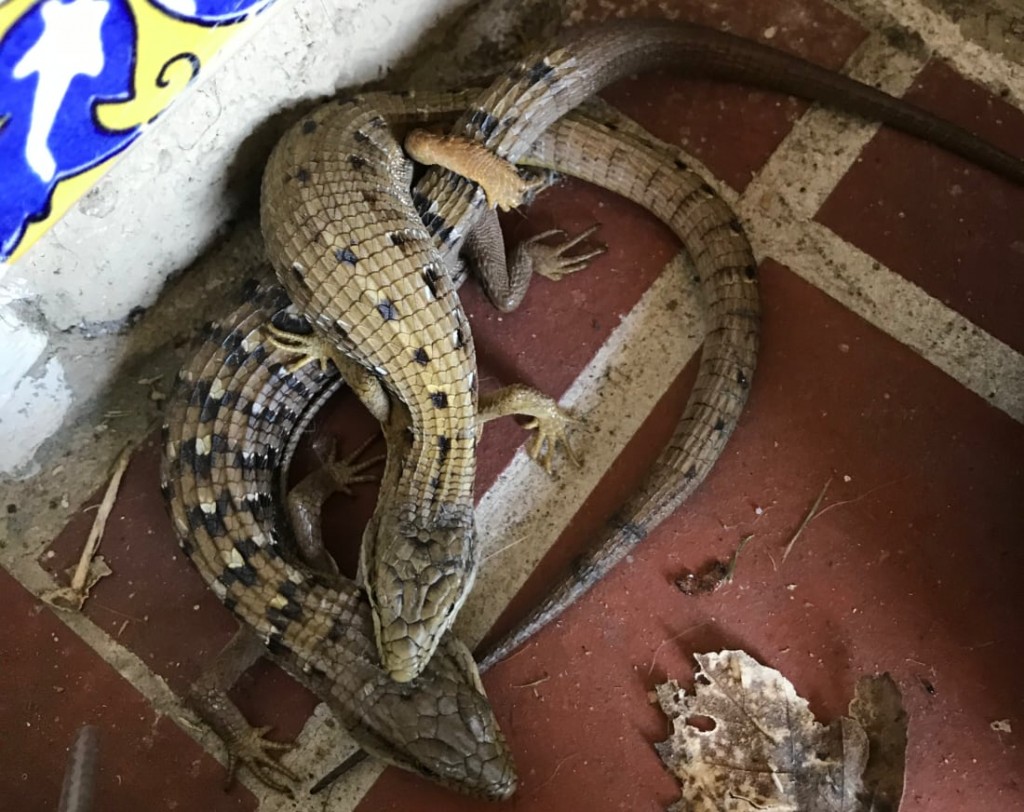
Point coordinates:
[(229, 433), (338, 220), (232, 428), (346, 244), (605, 148)]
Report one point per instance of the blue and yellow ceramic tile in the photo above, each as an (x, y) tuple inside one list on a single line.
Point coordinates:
[(79, 82)]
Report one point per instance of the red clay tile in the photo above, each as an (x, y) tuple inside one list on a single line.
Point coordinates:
[(913, 571), (51, 684), (587, 306), (157, 606), (153, 604), (943, 223)]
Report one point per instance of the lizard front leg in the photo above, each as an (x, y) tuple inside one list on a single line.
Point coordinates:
[(505, 280), (312, 348), (246, 744), (549, 420)]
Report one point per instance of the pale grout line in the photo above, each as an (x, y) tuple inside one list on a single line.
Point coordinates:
[(777, 208), (822, 146), (523, 514), (323, 743), (940, 335), (944, 338), (943, 37), (605, 393), (125, 663), (25, 568), (132, 668)]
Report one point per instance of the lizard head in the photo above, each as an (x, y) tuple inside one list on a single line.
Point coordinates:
[(417, 579), (440, 725)]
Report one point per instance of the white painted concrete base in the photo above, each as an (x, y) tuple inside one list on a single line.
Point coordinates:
[(172, 193)]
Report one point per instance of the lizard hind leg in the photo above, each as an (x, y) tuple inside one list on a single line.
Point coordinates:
[(505, 185), (305, 501), (247, 745), (552, 261), (505, 280)]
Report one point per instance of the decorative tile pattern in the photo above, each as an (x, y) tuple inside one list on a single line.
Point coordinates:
[(80, 80)]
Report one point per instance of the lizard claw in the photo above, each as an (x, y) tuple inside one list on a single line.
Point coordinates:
[(551, 261), (255, 751), (551, 434)]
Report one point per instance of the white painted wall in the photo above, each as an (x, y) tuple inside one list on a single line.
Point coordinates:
[(167, 198)]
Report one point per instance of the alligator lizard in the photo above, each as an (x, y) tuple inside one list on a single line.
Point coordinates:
[(348, 246), (232, 427), (228, 430)]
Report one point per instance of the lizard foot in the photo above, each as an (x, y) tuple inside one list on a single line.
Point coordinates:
[(254, 750), (504, 185), (545, 416), (551, 261), (309, 348), (552, 432), (306, 499), (348, 470)]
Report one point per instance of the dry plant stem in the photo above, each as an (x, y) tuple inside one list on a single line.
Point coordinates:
[(99, 524), (811, 514), (535, 683), (735, 556), (672, 639)]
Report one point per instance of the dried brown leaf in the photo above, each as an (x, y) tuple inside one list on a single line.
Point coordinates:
[(878, 708), (744, 740)]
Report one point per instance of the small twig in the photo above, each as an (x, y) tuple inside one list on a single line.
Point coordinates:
[(864, 495), (71, 598), (100, 522), (535, 683), (506, 548), (807, 520), (353, 760), (558, 766), (731, 569)]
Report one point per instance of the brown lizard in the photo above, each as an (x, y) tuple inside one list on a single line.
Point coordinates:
[(347, 244), (232, 428)]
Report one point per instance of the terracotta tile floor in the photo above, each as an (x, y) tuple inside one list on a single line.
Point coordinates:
[(913, 569)]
